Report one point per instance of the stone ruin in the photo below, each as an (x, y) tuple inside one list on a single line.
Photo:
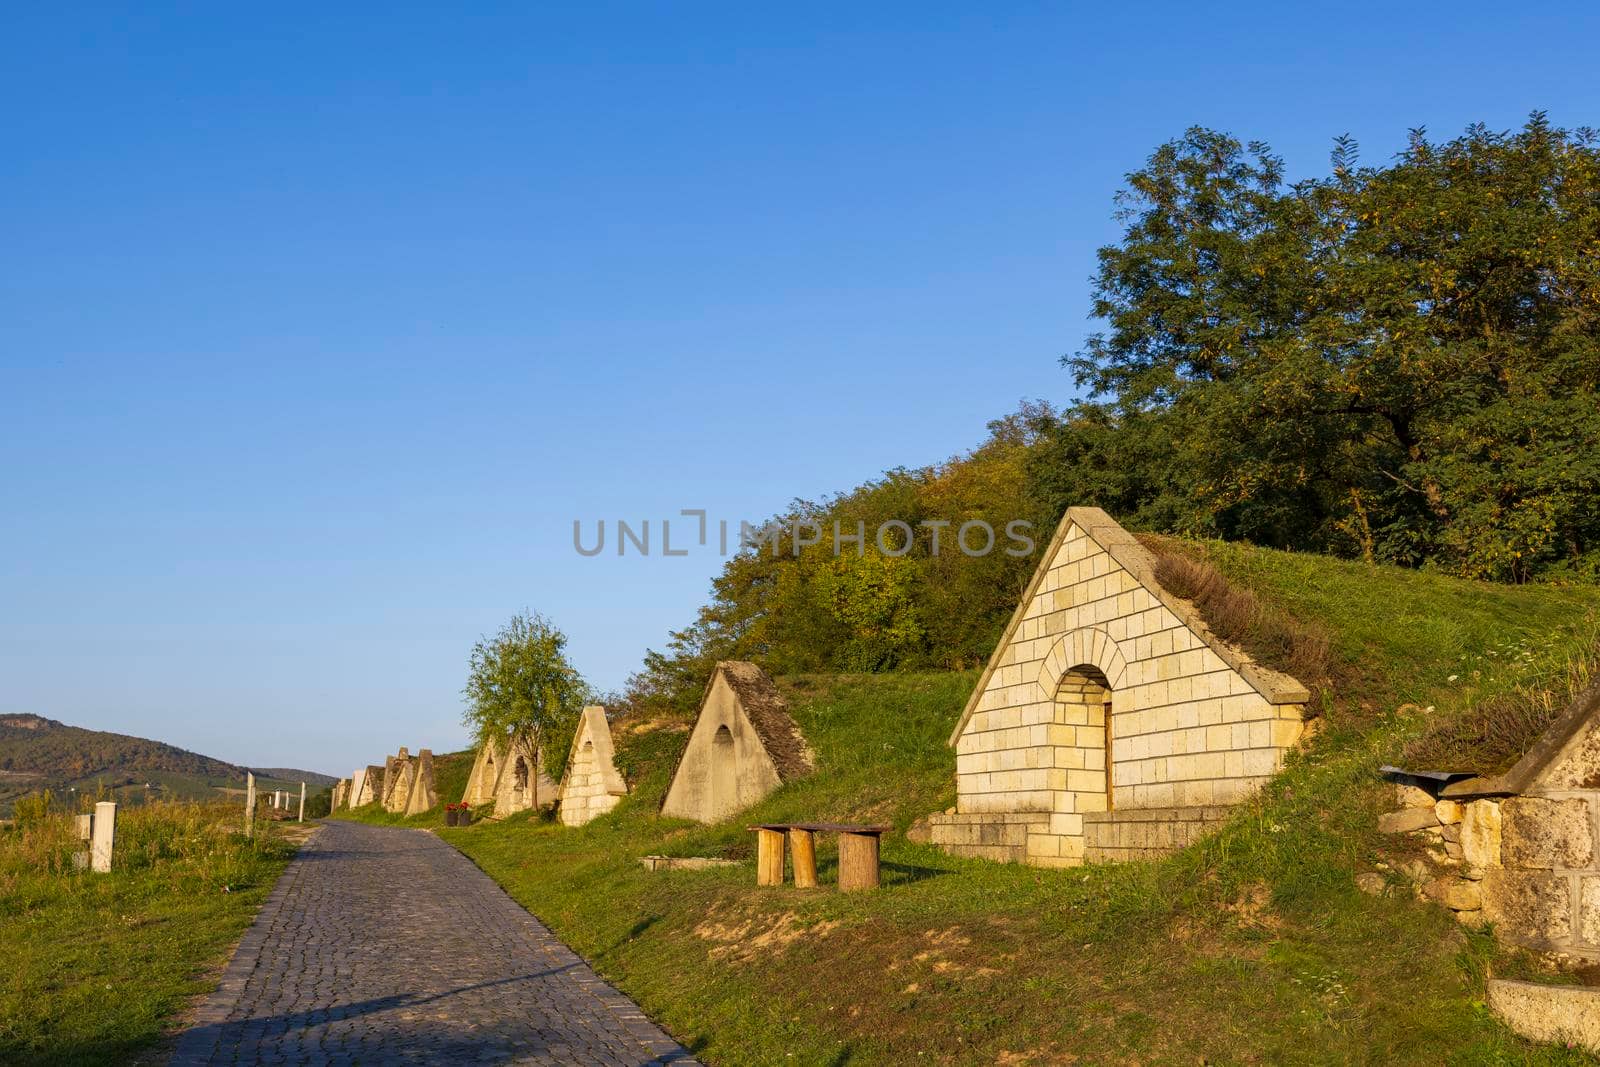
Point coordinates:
[(1110, 723), (1520, 850), (341, 793), (742, 747), (591, 785)]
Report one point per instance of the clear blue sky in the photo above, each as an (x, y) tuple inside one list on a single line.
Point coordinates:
[(318, 328)]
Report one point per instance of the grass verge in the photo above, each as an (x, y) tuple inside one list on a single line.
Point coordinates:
[(97, 965)]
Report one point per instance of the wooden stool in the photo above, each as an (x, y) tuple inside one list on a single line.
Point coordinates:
[(858, 860), (803, 847), (769, 856), (858, 853)]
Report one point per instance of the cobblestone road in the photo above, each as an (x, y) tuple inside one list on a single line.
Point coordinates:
[(382, 945)]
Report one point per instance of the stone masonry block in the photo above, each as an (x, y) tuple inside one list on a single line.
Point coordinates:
[(1589, 910), (1480, 833), (1529, 907), (1541, 833)]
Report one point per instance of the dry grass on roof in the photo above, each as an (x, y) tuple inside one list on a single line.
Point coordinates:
[(1267, 634), (769, 714), (1492, 735)]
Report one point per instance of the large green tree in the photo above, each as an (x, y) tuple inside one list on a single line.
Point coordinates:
[(520, 684), (1399, 362)]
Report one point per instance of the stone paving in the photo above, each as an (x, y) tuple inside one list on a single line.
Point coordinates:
[(384, 945)]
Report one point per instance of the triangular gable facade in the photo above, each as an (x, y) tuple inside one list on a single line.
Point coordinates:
[(591, 785), (402, 772), (1108, 693), (743, 746), (485, 774), (522, 783), (422, 796), (365, 791), (391, 779)]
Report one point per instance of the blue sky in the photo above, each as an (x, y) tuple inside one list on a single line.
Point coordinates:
[(319, 329)]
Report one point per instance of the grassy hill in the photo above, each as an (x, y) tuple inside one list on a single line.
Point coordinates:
[(39, 753), (1253, 946)]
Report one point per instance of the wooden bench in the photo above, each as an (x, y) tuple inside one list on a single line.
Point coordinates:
[(858, 853)]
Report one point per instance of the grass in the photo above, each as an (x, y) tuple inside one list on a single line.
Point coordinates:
[(97, 965), (1498, 731), (1253, 946)]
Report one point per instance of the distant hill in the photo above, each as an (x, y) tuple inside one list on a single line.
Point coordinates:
[(39, 753)]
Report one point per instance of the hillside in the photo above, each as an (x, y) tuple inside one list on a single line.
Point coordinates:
[(1253, 946), (39, 753)]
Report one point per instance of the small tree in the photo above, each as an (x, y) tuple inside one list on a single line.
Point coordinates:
[(520, 685)]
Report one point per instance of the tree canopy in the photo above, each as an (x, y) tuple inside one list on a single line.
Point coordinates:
[(1394, 362), (520, 683)]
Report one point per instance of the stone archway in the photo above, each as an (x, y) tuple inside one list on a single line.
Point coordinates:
[(1088, 646), (724, 773), (1084, 720)]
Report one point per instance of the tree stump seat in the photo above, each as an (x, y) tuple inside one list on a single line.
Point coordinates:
[(858, 852)]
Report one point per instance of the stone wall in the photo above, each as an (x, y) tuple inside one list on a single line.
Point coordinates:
[(592, 786), (1001, 836), (1542, 889), (1520, 850), (1145, 833), (1528, 864), (585, 795), (1192, 722)]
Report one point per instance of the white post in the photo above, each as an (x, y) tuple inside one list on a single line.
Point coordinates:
[(105, 833), (249, 804), (83, 826), (302, 817)]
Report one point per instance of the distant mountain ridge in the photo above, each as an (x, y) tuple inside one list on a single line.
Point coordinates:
[(39, 753)]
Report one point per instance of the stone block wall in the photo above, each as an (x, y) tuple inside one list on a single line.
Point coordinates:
[(586, 791), (1001, 836), (1528, 864), (1542, 890), (1188, 728), (1141, 834)]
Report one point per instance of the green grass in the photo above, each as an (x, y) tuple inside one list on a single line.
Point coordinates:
[(96, 965), (1252, 946)]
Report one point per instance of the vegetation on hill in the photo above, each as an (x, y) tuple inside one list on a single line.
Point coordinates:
[(97, 964), (37, 753), (1394, 363), (1253, 946)]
